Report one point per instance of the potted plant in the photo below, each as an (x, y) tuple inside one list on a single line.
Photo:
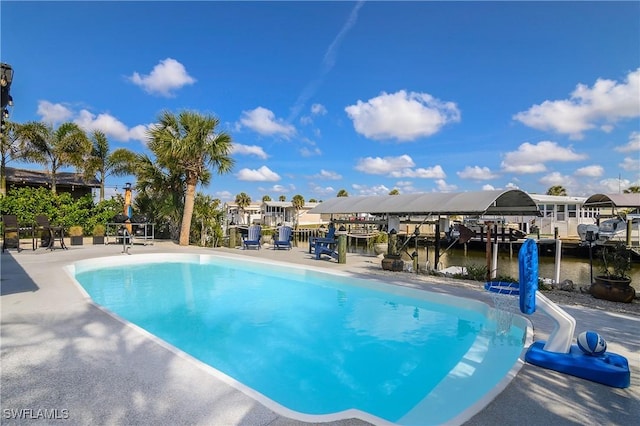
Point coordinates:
[(98, 234), (75, 233), (614, 282), (380, 243)]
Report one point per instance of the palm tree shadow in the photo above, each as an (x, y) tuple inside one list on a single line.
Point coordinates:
[(14, 278)]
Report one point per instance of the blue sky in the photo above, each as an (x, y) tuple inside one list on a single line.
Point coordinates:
[(362, 96)]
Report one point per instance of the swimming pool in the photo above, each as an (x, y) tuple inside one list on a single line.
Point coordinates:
[(321, 346)]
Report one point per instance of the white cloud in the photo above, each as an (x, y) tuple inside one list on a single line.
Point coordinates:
[(327, 175), (488, 187), (424, 173), (398, 167), (371, 190), (110, 125), (305, 120), (405, 186), (224, 196), (280, 189), (167, 76), (264, 122), (88, 121), (556, 178), (630, 164), (477, 173), (309, 148), (604, 104), (444, 186), (318, 109), (632, 145), (256, 150), (53, 113), (612, 185), (590, 171), (382, 166), (402, 116), (310, 152), (263, 174), (530, 158), (322, 191)]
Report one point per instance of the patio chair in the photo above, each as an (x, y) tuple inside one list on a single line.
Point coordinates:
[(326, 241), (53, 232), (10, 226), (253, 237), (283, 239)]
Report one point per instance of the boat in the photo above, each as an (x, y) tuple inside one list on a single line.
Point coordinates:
[(611, 229)]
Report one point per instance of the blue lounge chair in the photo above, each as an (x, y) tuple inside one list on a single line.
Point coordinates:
[(326, 249), (253, 237), (326, 241), (283, 239)]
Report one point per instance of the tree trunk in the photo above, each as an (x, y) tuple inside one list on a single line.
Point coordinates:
[(3, 179), (189, 200)]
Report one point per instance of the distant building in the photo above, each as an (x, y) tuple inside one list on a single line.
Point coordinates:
[(563, 213), (271, 213), (72, 183)]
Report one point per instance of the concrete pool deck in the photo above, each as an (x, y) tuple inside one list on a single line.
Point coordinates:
[(62, 354)]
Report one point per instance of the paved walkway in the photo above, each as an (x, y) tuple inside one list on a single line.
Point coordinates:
[(62, 354)]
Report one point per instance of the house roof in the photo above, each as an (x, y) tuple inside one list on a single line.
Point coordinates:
[(44, 178), (512, 202), (613, 200), (287, 204)]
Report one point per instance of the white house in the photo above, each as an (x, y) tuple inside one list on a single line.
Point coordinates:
[(562, 212)]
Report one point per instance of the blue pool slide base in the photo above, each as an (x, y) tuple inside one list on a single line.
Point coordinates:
[(558, 353), (608, 369)]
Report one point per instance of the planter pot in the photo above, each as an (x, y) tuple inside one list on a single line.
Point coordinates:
[(380, 248), (76, 241), (615, 290), (392, 263), (98, 240)]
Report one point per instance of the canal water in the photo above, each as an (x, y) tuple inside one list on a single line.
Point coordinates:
[(576, 269)]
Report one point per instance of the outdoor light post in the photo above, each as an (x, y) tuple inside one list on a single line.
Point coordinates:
[(6, 78)]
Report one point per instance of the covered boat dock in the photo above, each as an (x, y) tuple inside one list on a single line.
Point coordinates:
[(623, 205), (429, 208)]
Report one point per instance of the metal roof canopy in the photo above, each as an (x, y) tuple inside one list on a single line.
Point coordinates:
[(613, 200), (513, 202)]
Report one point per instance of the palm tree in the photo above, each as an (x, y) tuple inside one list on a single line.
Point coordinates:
[(67, 145), (557, 190), (394, 191), (282, 198), (342, 193), (298, 203), (207, 214), (160, 194), (313, 200), (266, 198), (635, 189), (243, 201), (101, 163), (189, 144)]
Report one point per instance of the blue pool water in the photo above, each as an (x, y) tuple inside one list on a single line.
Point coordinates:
[(317, 343)]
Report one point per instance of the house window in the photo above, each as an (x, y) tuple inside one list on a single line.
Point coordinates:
[(572, 210), (548, 210), (560, 213)]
